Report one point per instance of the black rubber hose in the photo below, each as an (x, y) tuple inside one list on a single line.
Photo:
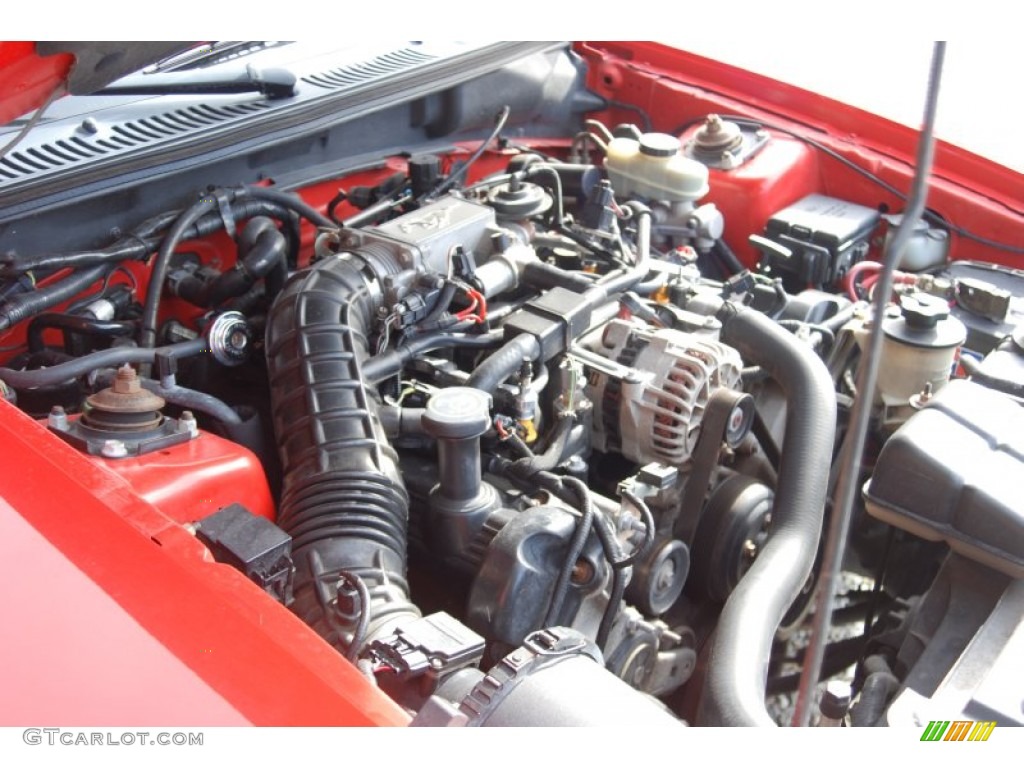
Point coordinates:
[(728, 257), (180, 228), (874, 698), (576, 544), (343, 500), (262, 254), (542, 276), (105, 358), (193, 400), (145, 239), (734, 689), (76, 323), (840, 318), (612, 609), (120, 251), (26, 305), (443, 302), (504, 362), (289, 201), (161, 264), (825, 333), (388, 364)]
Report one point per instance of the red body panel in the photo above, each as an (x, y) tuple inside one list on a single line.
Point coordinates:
[(28, 78), (123, 618), (674, 88), (784, 171), (90, 556), (187, 482)]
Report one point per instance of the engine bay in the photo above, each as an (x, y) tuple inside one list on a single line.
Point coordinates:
[(546, 430)]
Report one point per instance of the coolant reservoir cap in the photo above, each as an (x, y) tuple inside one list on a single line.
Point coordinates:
[(924, 321), (457, 413), (659, 145)]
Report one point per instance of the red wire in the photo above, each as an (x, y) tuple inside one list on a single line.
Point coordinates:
[(850, 281), (899, 277), (477, 310)]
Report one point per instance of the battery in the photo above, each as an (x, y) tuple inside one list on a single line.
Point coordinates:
[(819, 239)]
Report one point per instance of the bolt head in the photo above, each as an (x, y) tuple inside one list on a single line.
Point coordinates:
[(238, 340), (127, 381), (666, 575), (582, 572), (659, 476), (57, 419), (735, 419), (187, 423), (114, 449)]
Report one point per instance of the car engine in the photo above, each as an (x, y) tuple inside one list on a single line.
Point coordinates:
[(523, 438)]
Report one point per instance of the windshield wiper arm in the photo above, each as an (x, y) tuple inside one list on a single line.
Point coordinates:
[(273, 83)]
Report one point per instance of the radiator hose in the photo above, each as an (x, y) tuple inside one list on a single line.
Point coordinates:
[(343, 499), (734, 689)]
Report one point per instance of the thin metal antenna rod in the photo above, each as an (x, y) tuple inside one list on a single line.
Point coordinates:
[(867, 377)]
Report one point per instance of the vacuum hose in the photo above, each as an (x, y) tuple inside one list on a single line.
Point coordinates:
[(343, 500)]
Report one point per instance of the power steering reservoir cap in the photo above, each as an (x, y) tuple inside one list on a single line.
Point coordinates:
[(924, 321), (923, 311), (659, 145), (457, 413)]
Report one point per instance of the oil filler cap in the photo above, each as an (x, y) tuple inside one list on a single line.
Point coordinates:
[(458, 413)]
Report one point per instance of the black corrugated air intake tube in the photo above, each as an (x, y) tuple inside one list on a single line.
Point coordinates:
[(343, 500)]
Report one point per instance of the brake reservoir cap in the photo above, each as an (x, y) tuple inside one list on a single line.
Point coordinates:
[(659, 145), (654, 167), (457, 413)]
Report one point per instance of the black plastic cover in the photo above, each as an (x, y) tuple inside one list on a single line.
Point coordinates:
[(253, 545), (826, 237), (555, 318), (436, 644), (1003, 367), (953, 473), (977, 309)]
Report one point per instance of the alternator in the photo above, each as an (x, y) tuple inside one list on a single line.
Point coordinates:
[(650, 406)]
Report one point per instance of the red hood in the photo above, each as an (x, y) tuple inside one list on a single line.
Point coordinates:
[(31, 71)]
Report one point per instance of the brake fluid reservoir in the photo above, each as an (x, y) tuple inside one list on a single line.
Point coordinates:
[(654, 167)]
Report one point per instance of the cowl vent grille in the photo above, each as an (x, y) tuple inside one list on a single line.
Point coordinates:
[(381, 66), (59, 154)]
